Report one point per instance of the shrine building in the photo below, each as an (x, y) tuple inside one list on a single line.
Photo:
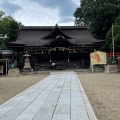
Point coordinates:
[(66, 47)]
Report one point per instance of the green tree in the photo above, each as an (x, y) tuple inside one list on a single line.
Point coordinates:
[(8, 27), (98, 15), (116, 35)]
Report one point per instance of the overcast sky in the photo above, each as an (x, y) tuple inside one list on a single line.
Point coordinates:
[(41, 12)]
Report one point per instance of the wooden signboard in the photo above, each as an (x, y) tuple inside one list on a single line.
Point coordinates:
[(97, 58)]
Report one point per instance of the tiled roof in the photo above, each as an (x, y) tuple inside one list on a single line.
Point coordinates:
[(44, 35)]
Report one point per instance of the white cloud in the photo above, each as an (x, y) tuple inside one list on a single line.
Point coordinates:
[(35, 15), (41, 13), (77, 2), (66, 24)]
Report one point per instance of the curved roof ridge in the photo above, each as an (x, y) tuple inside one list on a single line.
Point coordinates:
[(51, 27), (56, 32)]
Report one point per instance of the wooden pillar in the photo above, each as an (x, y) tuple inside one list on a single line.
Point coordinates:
[(6, 67), (92, 68), (82, 61), (35, 61), (50, 56), (68, 59)]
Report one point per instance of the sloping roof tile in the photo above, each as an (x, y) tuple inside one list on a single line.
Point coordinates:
[(34, 35)]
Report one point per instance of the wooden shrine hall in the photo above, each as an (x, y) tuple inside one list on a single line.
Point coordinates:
[(56, 47)]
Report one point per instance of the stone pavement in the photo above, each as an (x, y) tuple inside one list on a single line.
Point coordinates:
[(59, 96)]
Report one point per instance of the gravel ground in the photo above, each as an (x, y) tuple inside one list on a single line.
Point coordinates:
[(103, 91), (11, 86)]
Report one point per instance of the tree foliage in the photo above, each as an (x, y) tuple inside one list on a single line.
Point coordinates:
[(8, 27), (116, 35), (98, 15)]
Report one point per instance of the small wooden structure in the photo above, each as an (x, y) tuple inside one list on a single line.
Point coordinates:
[(116, 54), (113, 68), (6, 61)]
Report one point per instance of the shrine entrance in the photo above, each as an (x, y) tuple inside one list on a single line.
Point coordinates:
[(59, 55)]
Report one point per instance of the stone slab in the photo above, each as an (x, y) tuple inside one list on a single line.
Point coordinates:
[(111, 69), (60, 96), (61, 117), (14, 72)]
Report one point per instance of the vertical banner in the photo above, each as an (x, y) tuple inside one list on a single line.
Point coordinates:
[(98, 57)]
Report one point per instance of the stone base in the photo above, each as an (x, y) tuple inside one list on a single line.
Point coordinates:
[(111, 69), (97, 68), (27, 72), (14, 72)]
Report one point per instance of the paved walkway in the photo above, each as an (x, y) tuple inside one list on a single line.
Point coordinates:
[(59, 96)]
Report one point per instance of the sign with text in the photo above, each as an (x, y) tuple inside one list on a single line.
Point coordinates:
[(98, 57)]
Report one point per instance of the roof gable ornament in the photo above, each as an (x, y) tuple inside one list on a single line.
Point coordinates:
[(60, 36), (56, 26), (61, 42), (56, 32)]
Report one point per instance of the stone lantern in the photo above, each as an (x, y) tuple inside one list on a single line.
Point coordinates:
[(27, 67)]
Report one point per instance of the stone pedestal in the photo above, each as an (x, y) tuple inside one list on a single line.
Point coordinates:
[(111, 69), (27, 68), (13, 72)]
